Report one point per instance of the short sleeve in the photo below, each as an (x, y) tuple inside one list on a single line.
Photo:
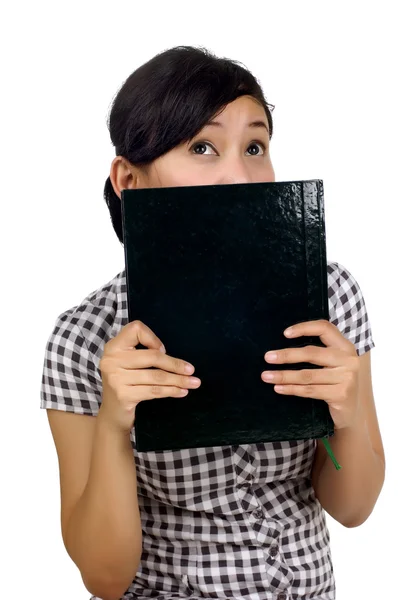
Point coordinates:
[(347, 309), (70, 379)]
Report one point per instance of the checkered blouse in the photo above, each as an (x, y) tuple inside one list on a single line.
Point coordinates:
[(240, 521)]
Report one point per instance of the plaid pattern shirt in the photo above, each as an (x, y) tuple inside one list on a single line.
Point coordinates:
[(238, 521)]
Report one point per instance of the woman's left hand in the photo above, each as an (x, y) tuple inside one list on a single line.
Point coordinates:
[(336, 383)]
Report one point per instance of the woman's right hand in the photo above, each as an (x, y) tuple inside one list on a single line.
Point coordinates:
[(126, 378)]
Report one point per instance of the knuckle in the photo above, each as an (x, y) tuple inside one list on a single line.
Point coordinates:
[(345, 395), (155, 356), (108, 344), (351, 375), (136, 323), (120, 396), (156, 390), (307, 376), (159, 376), (111, 346), (178, 365), (307, 389), (109, 352), (112, 379), (104, 363), (283, 355)]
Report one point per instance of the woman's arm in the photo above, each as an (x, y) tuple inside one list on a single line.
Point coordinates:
[(349, 495), (101, 524)]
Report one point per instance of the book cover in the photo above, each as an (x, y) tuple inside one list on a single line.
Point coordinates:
[(218, 272)]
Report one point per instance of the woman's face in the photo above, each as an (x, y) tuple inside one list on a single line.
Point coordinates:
[(234, 148)]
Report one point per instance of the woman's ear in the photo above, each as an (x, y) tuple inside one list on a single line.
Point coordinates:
[(123, 175)]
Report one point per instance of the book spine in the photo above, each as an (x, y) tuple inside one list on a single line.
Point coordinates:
[(322, 251), (315, 259), (304, 208), (125, 243), (324, 278)]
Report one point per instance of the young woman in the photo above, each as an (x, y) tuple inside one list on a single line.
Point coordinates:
[(241, 521)]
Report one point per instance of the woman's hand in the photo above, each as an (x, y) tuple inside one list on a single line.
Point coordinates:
[(336, 383), (127, 380)]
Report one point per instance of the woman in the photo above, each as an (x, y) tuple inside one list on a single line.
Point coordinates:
[(241, 521)]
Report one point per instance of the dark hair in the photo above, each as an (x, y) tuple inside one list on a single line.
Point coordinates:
[(167, 101)]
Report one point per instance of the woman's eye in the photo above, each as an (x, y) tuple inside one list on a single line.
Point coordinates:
[(256, 153), (199, 146)]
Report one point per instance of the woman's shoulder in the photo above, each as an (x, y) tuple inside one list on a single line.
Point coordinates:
[(338, 273), (71, 378), (343, 288), (347, 307), (98, 317)]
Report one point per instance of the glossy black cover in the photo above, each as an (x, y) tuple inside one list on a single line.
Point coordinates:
[(218, 272)]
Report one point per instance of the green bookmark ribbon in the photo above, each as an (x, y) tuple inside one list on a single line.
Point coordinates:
[(330, 452)]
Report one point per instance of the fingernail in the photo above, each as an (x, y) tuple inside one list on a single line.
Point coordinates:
[(289, 331), (189, 368), (268, 376), (270, 356), (162, 349)]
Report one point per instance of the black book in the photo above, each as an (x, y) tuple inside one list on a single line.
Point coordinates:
[(218, 272)]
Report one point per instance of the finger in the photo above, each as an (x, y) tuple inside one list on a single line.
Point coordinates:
[(303, 376), (143, 359), (318, 392), (329, 334), (160, 378), (136, 393), (325, 357), (132, 334)]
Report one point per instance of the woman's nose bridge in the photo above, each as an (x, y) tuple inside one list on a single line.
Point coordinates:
[(235, 170)]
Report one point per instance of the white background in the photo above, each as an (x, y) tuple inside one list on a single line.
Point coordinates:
[(330, 71)]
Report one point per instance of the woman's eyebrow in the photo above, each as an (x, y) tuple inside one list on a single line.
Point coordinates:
[(252, 124)]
